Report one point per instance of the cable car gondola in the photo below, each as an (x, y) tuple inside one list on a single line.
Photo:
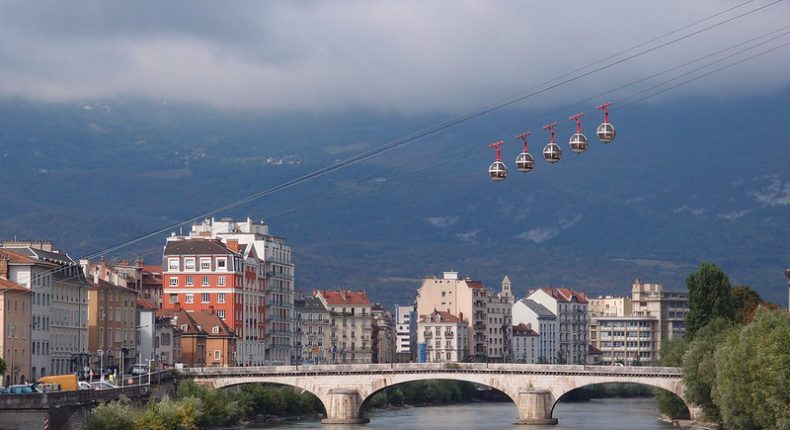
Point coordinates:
[(606, 131), (524, 162), (551, 152), (578, 141), (497, 170)]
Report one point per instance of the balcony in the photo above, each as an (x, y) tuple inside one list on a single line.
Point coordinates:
[(427, 334)]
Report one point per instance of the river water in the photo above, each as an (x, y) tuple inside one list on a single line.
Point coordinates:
[(602, 414)]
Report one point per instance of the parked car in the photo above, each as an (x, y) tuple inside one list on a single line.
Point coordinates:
[(21, 389), (139, 369), (102, 385), (84, 385)]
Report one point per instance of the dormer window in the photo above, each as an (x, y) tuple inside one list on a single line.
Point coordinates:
[(172, 264), (221, 263), (215, 330), (184, 327)]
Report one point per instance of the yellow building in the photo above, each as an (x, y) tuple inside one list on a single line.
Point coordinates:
[(15, 323), (112, 323), (609, 306)]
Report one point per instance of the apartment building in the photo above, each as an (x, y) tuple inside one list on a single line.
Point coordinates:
[(112, 323), (269, 299), (317, 333), (570, 307), (465, 298), (627, 340), (193, 338), (441, 337), (59, 339), (669, 307), (350, 325), (167, 342), (15, 328), (383, 337), (526, 344), (536, 316), (499, 310)]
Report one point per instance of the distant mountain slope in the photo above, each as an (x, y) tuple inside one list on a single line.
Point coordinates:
[(700, 180)]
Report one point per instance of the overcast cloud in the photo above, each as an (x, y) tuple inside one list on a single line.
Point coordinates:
[(405, 56)]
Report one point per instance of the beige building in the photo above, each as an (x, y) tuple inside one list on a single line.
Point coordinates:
[(627, 340), (525, 344), (316, 332), (669, 307), (609, 306), (570, 307), (112, 319), (464, 298), (351, 325), (15, 317), (444, 336), (499, 328)]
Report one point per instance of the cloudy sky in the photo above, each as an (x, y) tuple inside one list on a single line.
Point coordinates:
[(404, 56)]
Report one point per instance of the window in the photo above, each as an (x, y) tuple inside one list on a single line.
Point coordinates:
[(205, 264), (173, 281), (221, 262), (172, 264), (190, 298), (220, 297), (205, 298), (190, 281), (216, 354), (204, 281), (184, 327), (173, 298), (221, 280), (221, 314), (215, 330), (189, 264)]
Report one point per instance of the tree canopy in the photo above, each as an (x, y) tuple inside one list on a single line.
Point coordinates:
[(710, 297)]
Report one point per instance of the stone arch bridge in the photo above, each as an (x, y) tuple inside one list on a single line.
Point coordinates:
[(534, 388)]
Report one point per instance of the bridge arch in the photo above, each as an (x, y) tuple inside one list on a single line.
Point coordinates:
[(675, 387)]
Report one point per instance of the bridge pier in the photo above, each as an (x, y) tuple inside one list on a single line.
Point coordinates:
[(534, 407), (343, 407)]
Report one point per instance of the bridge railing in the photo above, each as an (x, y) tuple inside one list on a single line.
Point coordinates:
[(434, 367), (56, 399)]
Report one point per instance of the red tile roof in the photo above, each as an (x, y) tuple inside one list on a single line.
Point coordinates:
[(565, 295), (145, 304), (346, 297), (446, 317), (5, 284), (524, 330), (475, 284), (208, 320)]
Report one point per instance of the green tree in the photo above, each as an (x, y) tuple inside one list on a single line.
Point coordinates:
[(710, 297), (671, 355), (112, 416), (752, 373), (699, 366), (3, 366)]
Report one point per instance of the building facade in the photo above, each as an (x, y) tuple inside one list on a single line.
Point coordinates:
[(317, 333), (443, 336), (59, 339), (627, 340), (351, 328), (15, 328), (535, 315), (383, 336), (270, 298), (570, 307), (464, 298), (406, 332), (167, 342), (669, 307), (499, 311), (112, 324), (525, 344)]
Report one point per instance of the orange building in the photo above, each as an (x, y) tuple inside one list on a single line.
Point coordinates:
[(205, 339), (15, 323), (112, 320), (193, 339)]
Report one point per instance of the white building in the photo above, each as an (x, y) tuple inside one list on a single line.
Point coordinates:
[(570, 307), (537, 316), (444, 336), (525, 344), (59, 341), (406, 333)]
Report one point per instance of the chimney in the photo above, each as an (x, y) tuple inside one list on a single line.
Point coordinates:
[(4, 266), (140, 263), (461, 316), (233, 245), (211, 309)]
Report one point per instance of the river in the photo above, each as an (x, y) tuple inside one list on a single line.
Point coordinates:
[(601, 414)]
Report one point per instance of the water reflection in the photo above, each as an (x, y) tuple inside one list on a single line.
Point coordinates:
[(606, 414)]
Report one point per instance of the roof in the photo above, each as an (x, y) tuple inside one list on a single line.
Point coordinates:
[(594, 350), (20, 256), (345, 297), (524, 330), (196, 246), (145, 304), (153, 269), (539, 309), (103, 285), (475, 284), (6, 285), (208, 320), (40, 254), (445, 317), (312, 304), (565, 295), (179, 319)]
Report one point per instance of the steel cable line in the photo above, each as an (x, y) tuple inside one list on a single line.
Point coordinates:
[(383, 148), (417, 135)]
